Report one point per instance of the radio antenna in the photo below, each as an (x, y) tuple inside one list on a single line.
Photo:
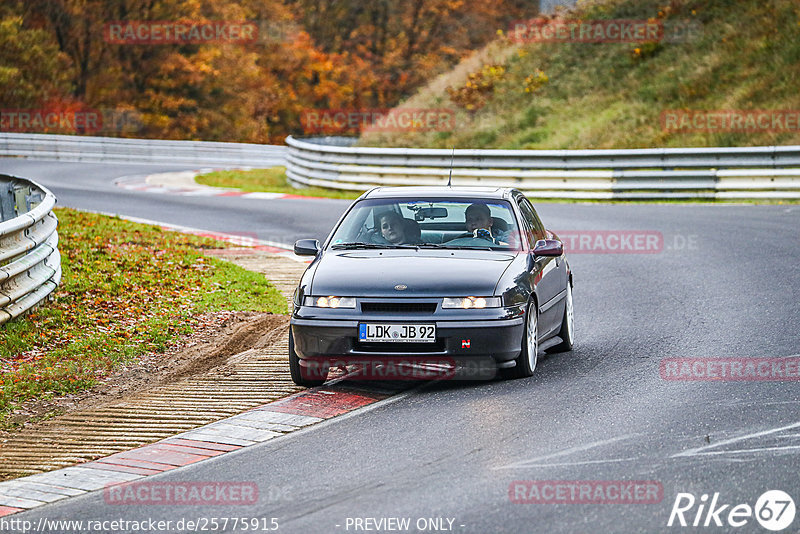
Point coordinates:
[(452, 156)]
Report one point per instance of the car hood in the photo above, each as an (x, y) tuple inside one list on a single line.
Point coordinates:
[(425, 273)]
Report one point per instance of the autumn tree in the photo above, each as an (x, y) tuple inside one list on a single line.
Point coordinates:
[(32, 70), (404, 43), (309, 54)]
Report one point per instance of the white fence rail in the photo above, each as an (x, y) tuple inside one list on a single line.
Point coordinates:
[(30, 264), (726, 173), (118, 150)]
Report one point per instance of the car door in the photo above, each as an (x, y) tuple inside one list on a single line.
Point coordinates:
[(551, 285)]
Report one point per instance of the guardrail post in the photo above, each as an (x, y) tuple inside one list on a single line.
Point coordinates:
[(21, 197), (32, 199), (7, 211)]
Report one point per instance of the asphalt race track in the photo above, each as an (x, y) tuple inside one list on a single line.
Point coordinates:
[(90, 186), (724, 283)]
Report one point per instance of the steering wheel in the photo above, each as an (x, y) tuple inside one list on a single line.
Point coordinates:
[(471, 235)]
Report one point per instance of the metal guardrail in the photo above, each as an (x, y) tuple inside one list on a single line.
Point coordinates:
[(30, 264), (119, 150), (663, 173)]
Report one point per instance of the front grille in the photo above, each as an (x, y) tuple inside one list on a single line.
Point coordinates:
[(398, 307)]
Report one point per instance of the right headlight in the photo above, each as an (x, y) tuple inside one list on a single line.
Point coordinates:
[(468, 303)]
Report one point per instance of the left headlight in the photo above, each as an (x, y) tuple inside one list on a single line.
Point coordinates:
[(468, 303), (331, 302)]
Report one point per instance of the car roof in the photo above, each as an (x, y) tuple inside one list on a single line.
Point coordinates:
[(439, 191)]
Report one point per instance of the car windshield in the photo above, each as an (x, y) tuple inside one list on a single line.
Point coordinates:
[(429, 223)]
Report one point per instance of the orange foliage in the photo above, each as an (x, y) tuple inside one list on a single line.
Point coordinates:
[(308, 54)]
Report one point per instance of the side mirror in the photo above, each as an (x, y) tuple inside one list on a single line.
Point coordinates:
[(306, 247), (548, 247)]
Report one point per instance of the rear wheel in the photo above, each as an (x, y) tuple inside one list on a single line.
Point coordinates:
[(299, 376), (567, 333), (529, 355)]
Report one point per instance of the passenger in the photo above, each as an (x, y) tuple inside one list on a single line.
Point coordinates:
[(393, 228)]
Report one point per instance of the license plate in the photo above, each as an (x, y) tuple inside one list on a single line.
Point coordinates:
[(409, 333)]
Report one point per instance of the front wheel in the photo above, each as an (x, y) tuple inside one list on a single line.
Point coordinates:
[(567, 332), (529, 355), (296, 371)]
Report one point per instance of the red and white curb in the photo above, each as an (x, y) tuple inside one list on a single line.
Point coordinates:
[(255, 426), (258, 425), (183, 183)]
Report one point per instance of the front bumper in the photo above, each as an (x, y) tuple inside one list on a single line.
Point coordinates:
[(461, 341)]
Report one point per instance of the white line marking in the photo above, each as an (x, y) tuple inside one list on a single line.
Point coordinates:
[(692, 452), (743, 451), (751, 403), (263, 195), (565, 452), (199, 193)]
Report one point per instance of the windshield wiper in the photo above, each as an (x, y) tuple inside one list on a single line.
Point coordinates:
[(347, 246), (456, 247), (343, 246)]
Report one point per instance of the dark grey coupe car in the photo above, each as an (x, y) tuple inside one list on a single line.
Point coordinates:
[(452, 278)]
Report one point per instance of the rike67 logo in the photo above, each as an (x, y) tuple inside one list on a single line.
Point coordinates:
[(774, 510)]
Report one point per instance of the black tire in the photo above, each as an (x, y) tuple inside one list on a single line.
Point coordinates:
[(529, 352), (567, 332), (296, 371)]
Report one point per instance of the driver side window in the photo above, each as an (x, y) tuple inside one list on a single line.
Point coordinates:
[(533, 226)]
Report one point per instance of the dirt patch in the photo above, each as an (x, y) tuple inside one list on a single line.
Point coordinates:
[(220, 336), (247, 331)]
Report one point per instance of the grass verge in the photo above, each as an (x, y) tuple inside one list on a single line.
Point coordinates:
[(271, 180), (127, 289)]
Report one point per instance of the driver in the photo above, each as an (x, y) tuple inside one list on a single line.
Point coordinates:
[(479, 223), (479, 217)]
